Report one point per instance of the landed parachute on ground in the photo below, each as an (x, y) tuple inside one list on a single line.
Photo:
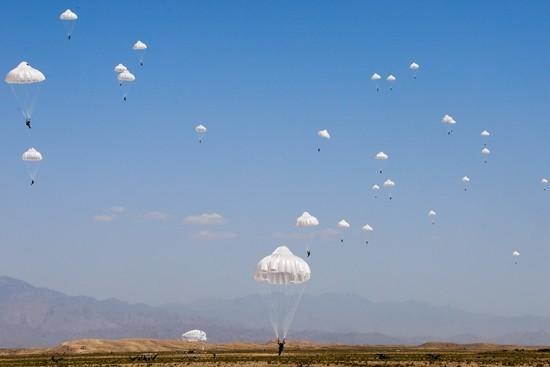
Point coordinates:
[(194, 336), (284, 276), (25, 81), (68, 18), (140, 48)]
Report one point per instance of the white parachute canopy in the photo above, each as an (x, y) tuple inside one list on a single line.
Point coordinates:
[(194, 336), (140, 48), (389, 183), (544, 182), (367, 228), (381, 156), (448, 120), (200, 129), (516, 253), (324, 134), (284, 275), (32, 158), (306, 220), (485, 151), (25, 81), (343, 224), (485, 134), (414, 66), (120, 68), (375, 187), (68, 18)]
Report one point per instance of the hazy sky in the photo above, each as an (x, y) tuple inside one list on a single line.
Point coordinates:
[(264, 77)]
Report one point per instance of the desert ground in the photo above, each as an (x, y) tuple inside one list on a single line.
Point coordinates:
[(150, 352)]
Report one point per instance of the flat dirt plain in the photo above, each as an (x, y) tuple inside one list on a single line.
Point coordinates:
[(164, 353)]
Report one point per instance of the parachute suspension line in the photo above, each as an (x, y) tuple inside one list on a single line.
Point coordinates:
[(292, 310), (26, 98)]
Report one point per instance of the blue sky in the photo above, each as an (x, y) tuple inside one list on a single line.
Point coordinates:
[(264, 77)]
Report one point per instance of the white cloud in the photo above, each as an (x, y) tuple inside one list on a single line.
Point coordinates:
[(104, 218), (117, 209), (208, 235), (204, 219), (156, 215)]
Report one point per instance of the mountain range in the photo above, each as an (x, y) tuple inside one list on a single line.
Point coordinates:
[(32, 316)]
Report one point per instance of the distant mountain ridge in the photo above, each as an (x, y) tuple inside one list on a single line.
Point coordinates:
[(31, 316)]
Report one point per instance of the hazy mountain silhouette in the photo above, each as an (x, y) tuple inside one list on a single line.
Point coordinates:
[(31, 316)]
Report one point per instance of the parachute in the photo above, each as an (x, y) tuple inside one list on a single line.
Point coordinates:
[(375, 188), (414, 67), (432, 214), (485, 152), (516, 254), (391, 80), (68, 18), (284, 276), (32, 158), (140, 48), (343, 225), (25, 82), (194, 336), (376, 79), (120, 68), (449, 121), (306, 220), (125, 80), (466, 182), (381, 156), (485, 134), (368, 229), (544, 183), (323, 134), (200, 130), (389, 185)]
